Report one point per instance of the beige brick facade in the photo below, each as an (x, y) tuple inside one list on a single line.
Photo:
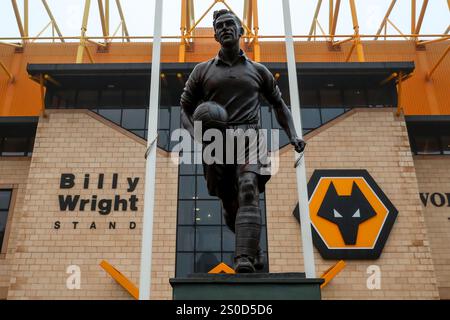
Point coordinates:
[(433, 175), (81, 142), (375, 140)]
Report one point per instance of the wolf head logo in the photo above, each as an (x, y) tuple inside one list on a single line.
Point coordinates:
[(347, 212)]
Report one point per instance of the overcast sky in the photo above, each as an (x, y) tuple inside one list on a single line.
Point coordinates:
[(139, 16)]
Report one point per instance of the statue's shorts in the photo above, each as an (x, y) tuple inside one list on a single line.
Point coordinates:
[(248, 153)]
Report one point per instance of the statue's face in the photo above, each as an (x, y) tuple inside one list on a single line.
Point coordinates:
[(227, 30)]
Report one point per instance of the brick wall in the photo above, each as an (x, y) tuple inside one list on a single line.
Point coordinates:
[(13, 174), (375, 140), (433, 175), (80, 142)]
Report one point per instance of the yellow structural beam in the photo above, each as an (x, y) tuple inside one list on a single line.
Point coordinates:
[(335, 18), (332, 272), (101, 11), (421, 16), (256, 47), (436, 65), (129, 286), (82, 44), (358, 44), (18, 18), (386, 17), (314, 21), (122, 18), (52, 18), (25, 18), (413, 16)]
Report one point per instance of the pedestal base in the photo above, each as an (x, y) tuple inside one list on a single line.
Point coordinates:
[(256, 286)]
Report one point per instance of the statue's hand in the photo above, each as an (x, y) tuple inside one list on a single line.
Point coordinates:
[(299, 144)]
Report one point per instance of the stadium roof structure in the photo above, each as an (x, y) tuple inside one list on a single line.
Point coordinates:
[(334, 21)]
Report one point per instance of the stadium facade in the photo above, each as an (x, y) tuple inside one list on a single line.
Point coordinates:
[(72, 169)]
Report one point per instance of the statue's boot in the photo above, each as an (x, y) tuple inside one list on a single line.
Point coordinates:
[(248, 232)]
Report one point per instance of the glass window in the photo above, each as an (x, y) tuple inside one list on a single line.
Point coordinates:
[(309, 98), (330, 97), (186, 211), (185, 239), (64, 98), (5, 198), (164, 118), (266, 120), (187, 168), (228, 240), (164, 139), (135, 98), (113, 115), (13, 146), (207, 238), (111, 98), (207, 212), (202, 190), (310, 118), (331, 113), (355, 97), (133, 118), (445, 141), (185, 264), (427, 145), (186, 187), (380, 96), (87, 99), (140, 133), (205, 261)]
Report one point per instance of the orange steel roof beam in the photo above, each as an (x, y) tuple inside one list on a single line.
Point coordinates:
[(330, 15), (8, 73), (52, 18), (248, 13), (314, 21), (256, 47), (438, 63), (358, 44), (386, 17), (413, 16)]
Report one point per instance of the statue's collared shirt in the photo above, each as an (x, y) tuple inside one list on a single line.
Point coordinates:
[(237, 87)]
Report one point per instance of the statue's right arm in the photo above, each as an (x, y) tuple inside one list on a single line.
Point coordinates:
[(189, 100)]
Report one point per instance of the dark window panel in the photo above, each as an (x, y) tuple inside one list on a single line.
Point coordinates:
[(164, 118), (175, 118), (207, 212), (139, 133), (186, 212), (205, 261), (355, 97), (207, 238), (186, 169), (133, 119), (427, 145), (275, 123), (5, 198), (330, 97), (331, 113), (87, 99), (111, 98), (3, 220), (113, 115), (15, 146), (263, 239), (380, 96), (445, 141), (202, 190), (309, 98), (227, 258), (310, 118), (185, 238), (64, 98), (186, 188), (262, 206), (185, 264), (266, 120), (164, 139), (135, 98), (228, 243)]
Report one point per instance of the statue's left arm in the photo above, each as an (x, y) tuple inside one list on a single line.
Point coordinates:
[(272, 93)]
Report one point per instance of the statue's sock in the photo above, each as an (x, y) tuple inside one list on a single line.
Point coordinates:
[(248, 232)]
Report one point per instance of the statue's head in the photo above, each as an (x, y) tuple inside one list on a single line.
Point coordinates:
[(227, 28)]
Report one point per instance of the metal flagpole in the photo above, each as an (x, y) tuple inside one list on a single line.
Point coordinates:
[(150, 166), (308, 254)]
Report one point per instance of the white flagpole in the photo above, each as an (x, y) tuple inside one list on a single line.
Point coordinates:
[(308, 253), (150, 166)]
